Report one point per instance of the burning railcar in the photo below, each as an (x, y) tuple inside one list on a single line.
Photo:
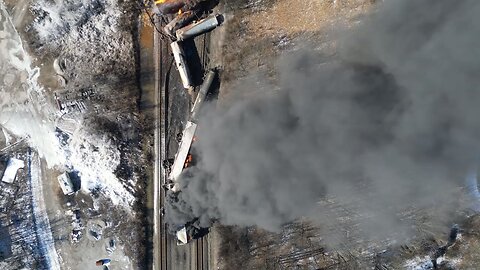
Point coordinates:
[(185, 158)]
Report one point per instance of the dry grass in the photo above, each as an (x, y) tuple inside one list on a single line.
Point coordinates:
[(306, 16), (256, 35)]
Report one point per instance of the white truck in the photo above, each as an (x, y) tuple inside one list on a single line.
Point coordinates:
[(65, 183)]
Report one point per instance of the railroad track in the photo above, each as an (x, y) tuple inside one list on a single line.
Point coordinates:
[(202, 253), (201, 244), (206, 51), (199, 253), (163, 67), (200, 259), (160, 241)]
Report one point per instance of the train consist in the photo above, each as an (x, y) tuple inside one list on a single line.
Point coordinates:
[(184, 158), (184, 20)]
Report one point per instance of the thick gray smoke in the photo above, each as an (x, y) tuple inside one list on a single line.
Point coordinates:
[(392, 123)]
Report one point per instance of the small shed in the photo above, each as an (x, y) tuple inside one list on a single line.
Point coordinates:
[(13, 165), (65, 183)]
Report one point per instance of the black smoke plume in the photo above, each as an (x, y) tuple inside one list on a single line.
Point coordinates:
[(392, 123)]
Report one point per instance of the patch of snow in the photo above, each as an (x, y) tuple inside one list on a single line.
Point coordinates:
[(420, 263), (23, 107), (96, 159), (425, 263), (42, 224), (7, 136)]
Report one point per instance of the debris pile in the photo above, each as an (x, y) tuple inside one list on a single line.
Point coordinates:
[(77, 226)]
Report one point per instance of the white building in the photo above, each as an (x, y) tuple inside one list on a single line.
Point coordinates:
[(13, 166), (65, 183)]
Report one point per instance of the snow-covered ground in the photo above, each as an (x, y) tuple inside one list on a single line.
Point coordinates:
[(67, 16), (23, 107), (42, 224), (26, 110), (97, 158)]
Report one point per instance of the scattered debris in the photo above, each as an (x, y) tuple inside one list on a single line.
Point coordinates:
[(168, 7), (76, 235), (178, 22), (103, 262), (191, 230), (111, 246), (95, 229)]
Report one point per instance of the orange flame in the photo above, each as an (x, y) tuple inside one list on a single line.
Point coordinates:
[(160, 1), (188, 161)]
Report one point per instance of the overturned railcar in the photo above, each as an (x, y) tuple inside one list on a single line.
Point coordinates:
[(179, 56), (163, 7), (198, 28), (180, 21)]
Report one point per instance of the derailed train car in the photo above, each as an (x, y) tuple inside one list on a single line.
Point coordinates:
[(180, 61), (188, 134), (163, 7), (191, 230), (168, 7), (186, 11), (198, 28), (189, 32), (188, 22), (183, 159)]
